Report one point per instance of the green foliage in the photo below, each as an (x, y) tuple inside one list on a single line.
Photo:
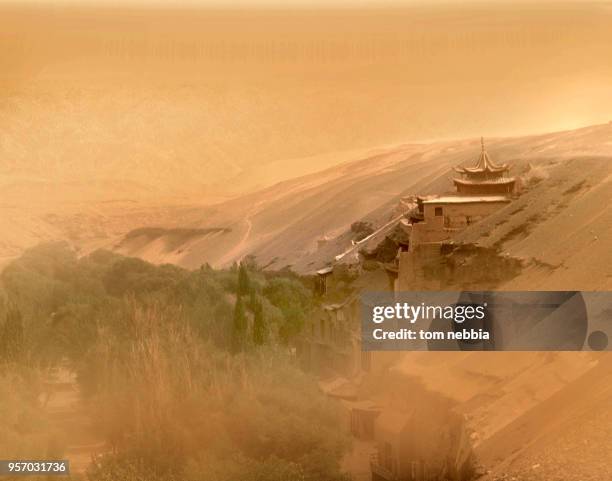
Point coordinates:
[(137, 277), (361, 229), (259, 325), (244, 285), (65, 300), (152, 349), (239, 326), (175, 407), (294, 301), (12, 337)]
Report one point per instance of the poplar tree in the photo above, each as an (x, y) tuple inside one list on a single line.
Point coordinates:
[(239, 326), (243, 280), (11, 336), (259, 325)]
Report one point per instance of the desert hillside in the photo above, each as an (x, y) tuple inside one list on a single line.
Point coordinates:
[(560, 217), (559, 227), (108, 126), (532, 416), (174, 174)]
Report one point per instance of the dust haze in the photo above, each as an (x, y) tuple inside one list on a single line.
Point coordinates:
[(192, 200), (185, 100)]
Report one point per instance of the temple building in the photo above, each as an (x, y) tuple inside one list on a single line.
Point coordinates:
[(485, 178), (482, 190)]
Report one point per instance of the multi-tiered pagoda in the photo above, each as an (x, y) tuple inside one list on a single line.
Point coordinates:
[(485, 178)]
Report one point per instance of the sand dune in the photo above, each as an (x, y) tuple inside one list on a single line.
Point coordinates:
[(532, 416), (559, 227), (562, 227)]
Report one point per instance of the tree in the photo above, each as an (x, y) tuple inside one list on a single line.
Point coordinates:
[(250, 262), (361, 229), (11, 336), (293, 323), (244, 284), (239, 326), (259, 325)]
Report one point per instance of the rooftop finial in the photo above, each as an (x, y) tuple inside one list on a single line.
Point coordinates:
[(482, 143)]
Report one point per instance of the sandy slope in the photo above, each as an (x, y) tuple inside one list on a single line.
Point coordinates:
[(87, 214), (286, 220), (534, 416), (560, 226), (566, 436)]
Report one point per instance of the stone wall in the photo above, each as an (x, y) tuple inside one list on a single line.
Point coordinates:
[(454, 267)]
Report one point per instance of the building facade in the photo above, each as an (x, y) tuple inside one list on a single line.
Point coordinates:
[(484, 178), (482, 190)]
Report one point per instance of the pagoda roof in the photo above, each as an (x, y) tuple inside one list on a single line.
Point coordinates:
[(466, 199), (497, 181), (484, 164)]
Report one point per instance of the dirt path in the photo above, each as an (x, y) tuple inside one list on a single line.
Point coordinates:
[(70, 421), (234, 253)]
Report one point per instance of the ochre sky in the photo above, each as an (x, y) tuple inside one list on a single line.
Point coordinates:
[(298, 3), (107, 91)]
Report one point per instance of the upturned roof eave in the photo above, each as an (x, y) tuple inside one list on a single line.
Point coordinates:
[(483, 165), (476, 170), (501, 181)]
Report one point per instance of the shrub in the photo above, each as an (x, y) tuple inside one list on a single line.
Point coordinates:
[(168, 400), (361, 230)]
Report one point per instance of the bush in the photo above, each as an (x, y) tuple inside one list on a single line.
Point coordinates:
[(361, 230), (151, 345), (168, 400)]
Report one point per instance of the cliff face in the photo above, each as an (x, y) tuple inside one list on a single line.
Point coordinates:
[(455, 267)]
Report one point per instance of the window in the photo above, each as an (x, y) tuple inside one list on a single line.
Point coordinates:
[(438, 211)]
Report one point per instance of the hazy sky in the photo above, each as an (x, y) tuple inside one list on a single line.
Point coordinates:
[(109, 91), (301, 3)]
